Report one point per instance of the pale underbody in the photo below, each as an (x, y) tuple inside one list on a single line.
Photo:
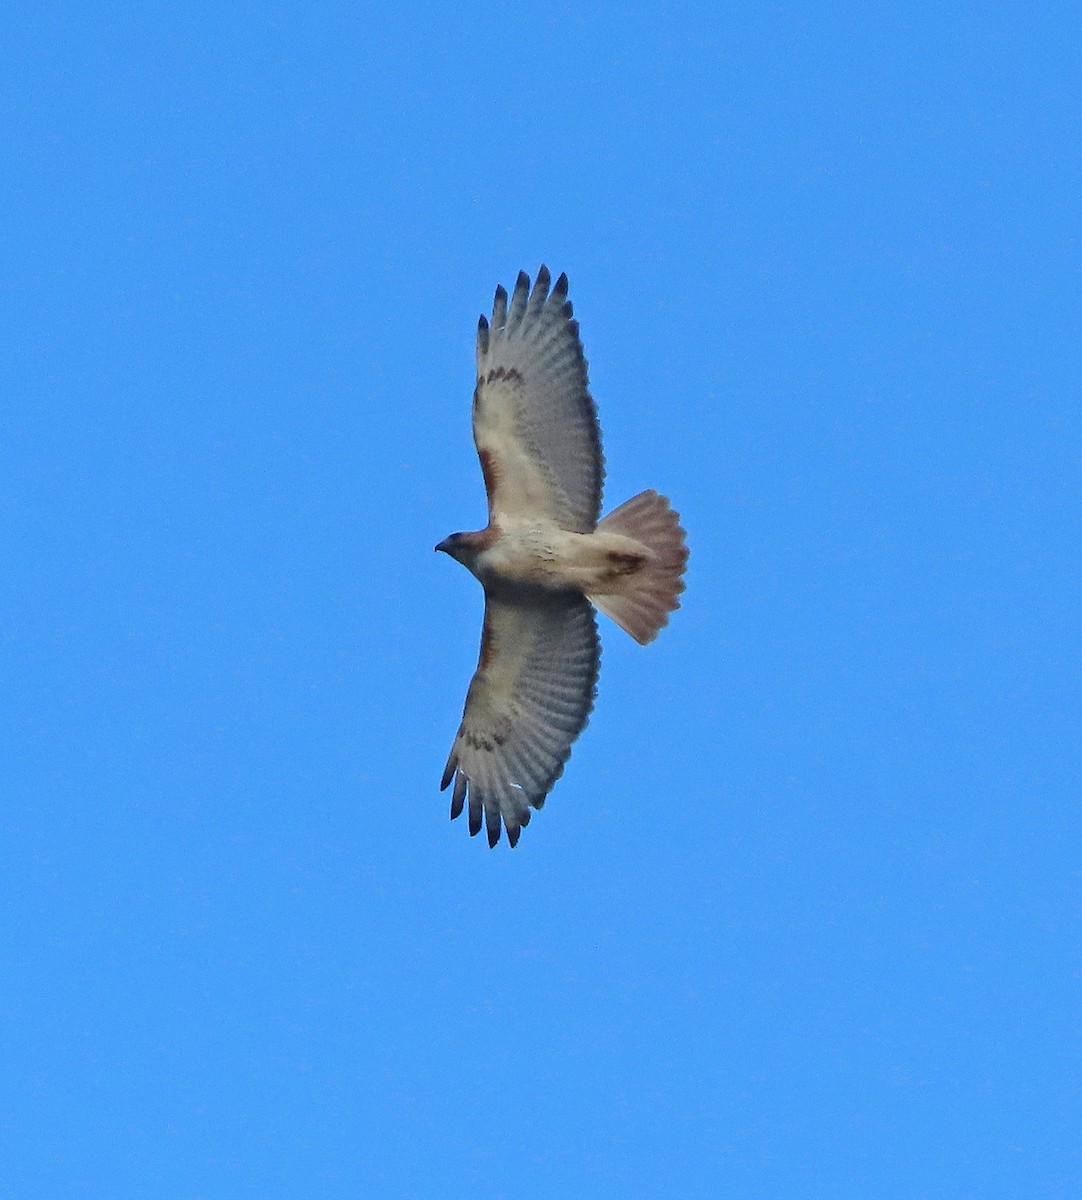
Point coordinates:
[(539, 553)]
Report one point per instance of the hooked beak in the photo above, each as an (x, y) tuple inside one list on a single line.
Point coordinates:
[(443, 545)]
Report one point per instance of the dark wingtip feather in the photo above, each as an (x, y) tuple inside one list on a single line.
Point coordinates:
[(522, 282), (541, 283), (482, 333), (458, 798), (449, 771), (512, 835), (499, 308), (561, 285), (492, 823)]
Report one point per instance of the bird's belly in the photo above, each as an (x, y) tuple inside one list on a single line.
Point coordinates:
[(550, 558), (521, 557)]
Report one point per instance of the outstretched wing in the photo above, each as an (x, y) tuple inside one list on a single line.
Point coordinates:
[(529, 699), (534, 421)]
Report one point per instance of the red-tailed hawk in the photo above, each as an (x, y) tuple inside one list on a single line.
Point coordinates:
[(544, 559)]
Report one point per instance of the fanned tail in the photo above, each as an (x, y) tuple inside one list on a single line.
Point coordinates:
[(643, 595)]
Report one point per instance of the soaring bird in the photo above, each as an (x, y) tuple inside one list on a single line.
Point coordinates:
[(545, 560)]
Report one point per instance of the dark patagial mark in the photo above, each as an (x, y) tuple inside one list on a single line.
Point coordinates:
[(488, 646), (489, 470)]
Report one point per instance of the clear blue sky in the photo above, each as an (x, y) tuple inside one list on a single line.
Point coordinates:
[(802, 918)]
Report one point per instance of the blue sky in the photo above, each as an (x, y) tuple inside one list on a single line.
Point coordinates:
[(801, 919)]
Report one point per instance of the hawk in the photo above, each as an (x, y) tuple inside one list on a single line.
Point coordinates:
[(545, 560)]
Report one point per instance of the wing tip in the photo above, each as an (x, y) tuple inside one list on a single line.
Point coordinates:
[(499, 310), (492, 824), (541, 285), (486, 815), (458, 797)]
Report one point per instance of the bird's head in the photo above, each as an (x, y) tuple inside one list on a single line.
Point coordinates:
[(462, 546)]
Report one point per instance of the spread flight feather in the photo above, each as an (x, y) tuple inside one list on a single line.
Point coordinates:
[(543, 558)]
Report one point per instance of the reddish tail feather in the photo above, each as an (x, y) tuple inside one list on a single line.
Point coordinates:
[(643, 599)]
